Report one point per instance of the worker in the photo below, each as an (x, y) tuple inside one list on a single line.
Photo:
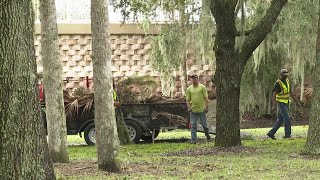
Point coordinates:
[(197, 102), (281, 93), (115, 97)]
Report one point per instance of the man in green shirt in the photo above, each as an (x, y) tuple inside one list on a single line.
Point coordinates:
[(197, 102)]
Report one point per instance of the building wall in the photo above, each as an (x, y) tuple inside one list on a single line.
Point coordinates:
[(130, 56)]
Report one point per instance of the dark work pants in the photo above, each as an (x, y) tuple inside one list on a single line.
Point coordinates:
[(283, 117)]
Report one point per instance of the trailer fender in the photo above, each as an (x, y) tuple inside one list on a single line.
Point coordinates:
[(141, 124)]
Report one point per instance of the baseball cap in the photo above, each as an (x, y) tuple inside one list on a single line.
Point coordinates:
[(194, 76), (284, 72)]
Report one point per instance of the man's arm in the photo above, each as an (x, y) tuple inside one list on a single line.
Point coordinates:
[(273, 101), (205, 95), (207, 103), (116, 102), (276, 89)]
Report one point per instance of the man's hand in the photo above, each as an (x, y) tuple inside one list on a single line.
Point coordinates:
[(117, 104), (273, 107), (206, 110), (189, 109)]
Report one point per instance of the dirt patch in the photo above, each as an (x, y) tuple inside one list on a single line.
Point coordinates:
[(214, 151), (89, 168), (142, 168), (304, 156), (249, 120), (76, 168)]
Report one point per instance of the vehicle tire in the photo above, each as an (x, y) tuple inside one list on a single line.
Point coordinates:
[(148, 138), (90, 134), (134, 131)]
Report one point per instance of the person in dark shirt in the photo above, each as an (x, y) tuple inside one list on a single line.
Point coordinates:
[(281, 95)]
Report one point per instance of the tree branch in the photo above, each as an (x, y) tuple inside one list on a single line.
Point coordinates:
[(238, 33), (261, 30)]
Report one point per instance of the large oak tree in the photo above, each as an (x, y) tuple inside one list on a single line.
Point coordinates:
[(313, 140), (231, 61), (23, 148)]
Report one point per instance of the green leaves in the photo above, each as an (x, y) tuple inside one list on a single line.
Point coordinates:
[(167, 50)]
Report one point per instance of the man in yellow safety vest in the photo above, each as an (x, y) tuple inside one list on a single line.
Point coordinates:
[(281, 94), (115, 98)]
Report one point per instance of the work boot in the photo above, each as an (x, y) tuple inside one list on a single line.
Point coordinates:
[(209, 138), (206, 132), (287, 137), (271, 136)]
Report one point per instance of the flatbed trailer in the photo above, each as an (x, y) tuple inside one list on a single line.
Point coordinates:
[(144, 121)]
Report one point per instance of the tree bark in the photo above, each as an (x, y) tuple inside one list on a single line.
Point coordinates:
[(230, 63), (105, 121), (52, 69), (23, 147), (183, 21), (312, 146), (228, 90)]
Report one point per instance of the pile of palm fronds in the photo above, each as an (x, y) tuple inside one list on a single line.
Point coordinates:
[(159, 98), (129, 90), (136, 89), (81, 104)]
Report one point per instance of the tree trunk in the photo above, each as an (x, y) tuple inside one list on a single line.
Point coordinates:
[(183, 21), (313, 140), (122, 128), (56, 118), (228, 79), (230, 63), (23, 147), (105, 121)]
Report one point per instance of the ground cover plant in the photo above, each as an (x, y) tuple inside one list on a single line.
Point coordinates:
[(172, 157)]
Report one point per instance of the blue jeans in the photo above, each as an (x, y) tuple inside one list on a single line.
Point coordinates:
[(283, 116), (193, 120)]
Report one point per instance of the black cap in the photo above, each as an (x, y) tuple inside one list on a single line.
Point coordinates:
[(284, 72), (194, 76)]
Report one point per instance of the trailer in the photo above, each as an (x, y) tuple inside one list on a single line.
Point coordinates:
[(144, 121)]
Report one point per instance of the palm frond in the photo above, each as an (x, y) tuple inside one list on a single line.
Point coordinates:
[(87, 108), (72, 108)]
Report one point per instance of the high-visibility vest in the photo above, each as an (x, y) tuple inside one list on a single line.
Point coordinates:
[(115, 96), (284, 95)]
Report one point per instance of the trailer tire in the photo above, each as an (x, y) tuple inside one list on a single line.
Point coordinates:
[(90, 134), (134, 131)]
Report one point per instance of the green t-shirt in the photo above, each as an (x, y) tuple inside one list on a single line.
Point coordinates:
[(197, 95)]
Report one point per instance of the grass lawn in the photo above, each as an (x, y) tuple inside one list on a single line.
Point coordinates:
[(172, 157)]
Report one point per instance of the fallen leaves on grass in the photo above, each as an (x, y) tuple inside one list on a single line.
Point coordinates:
[(74, 168), (214, 151)]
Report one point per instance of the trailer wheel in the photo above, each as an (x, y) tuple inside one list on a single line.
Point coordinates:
[(134, 131), (90, 134), (148, 138)]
